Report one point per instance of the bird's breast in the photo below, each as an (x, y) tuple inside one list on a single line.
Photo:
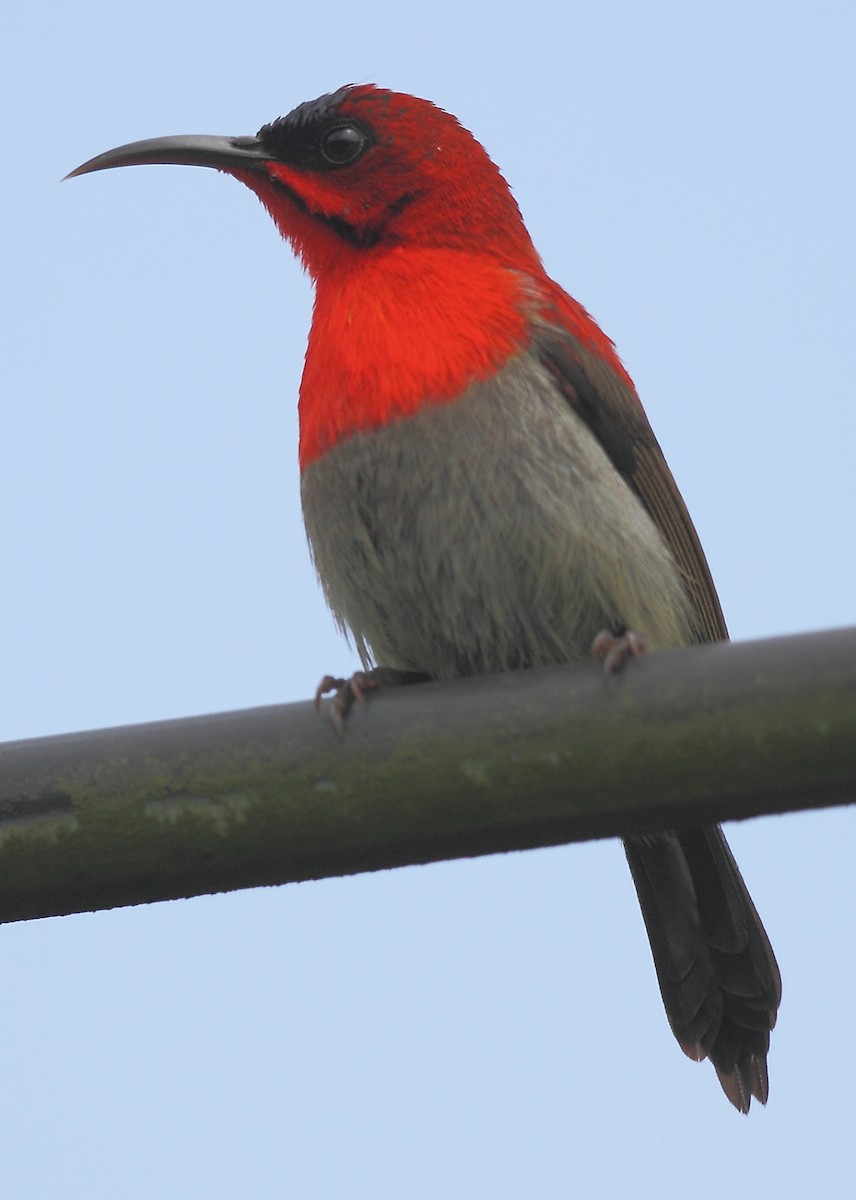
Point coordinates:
[(486, 534), (411, 322)]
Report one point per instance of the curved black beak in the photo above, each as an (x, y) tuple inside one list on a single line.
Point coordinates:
[(193, 150)]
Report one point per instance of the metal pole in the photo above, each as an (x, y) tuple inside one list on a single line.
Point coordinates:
[(495, 763)]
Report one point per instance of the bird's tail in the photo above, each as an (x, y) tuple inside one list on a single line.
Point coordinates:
[(717, 972)]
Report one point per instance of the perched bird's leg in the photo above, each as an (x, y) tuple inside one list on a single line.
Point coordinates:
[(347, 691), (616, 648)]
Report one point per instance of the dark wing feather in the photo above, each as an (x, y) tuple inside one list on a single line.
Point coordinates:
[(612, 411), (717, 972)]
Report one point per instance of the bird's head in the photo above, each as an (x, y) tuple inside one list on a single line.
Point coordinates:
[(359, 169)]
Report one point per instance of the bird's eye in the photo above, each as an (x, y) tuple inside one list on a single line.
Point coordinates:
[(343, 144)]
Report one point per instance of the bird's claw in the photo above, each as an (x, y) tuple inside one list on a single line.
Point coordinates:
[(348, 692), (616, 649)]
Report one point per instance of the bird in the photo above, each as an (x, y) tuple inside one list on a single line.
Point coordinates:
[(481, 488)]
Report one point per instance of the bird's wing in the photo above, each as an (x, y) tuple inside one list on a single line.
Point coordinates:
[(609, 406), (718, 976)]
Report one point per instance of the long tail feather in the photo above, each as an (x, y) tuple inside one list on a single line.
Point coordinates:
[(718, 976)]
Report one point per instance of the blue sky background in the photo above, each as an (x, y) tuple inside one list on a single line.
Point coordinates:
[(485, 1028)]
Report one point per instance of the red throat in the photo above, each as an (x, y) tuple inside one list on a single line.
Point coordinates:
[(407, 327), (411, 327)]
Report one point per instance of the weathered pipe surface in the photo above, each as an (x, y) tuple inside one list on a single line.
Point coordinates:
[(494, 763)]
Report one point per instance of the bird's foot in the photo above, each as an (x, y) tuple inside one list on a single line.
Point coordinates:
[(347, 692), (616, 648)]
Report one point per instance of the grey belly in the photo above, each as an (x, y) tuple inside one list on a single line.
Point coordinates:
[(486, 535)]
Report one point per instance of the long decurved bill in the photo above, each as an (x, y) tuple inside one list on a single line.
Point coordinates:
[(193, 150)]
